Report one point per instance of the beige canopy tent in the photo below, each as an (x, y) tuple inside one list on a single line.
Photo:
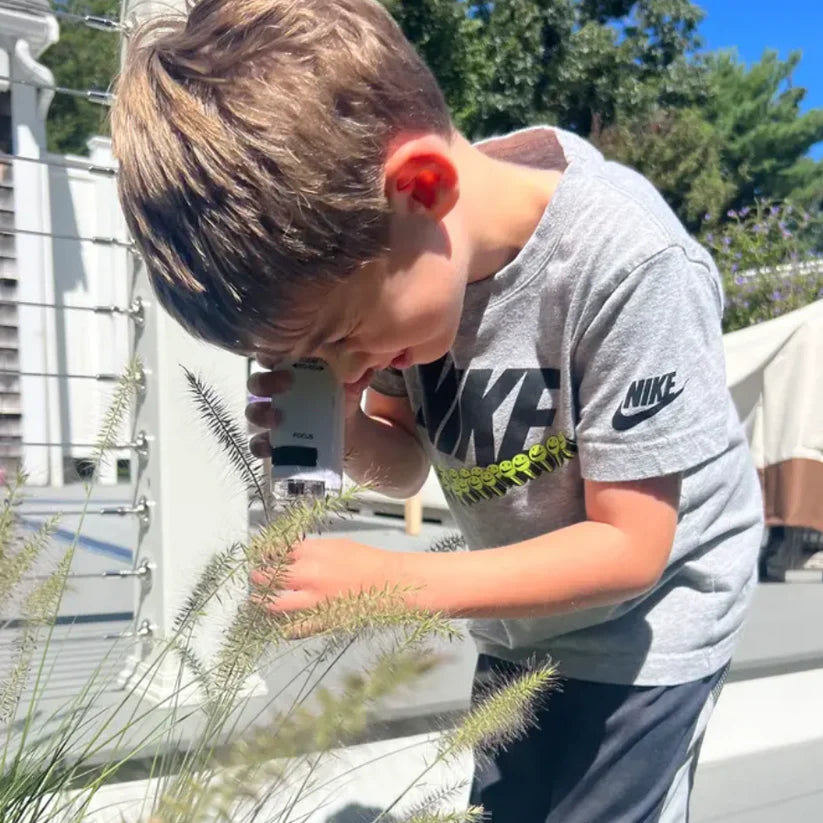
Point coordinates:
[(775, 372)]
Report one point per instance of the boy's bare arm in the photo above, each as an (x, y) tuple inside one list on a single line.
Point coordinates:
[(618, 553), (382, 449)]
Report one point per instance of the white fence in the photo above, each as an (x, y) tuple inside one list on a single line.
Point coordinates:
[(84, 204)]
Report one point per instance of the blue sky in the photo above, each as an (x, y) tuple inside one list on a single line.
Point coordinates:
[(785, 25)]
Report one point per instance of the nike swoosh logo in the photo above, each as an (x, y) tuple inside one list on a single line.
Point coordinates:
[(622, 422)]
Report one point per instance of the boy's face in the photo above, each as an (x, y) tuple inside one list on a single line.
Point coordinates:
[(403, 309)]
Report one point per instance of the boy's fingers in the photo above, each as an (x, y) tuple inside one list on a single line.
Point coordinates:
[(267, 383), (263, 415), (259, 445)]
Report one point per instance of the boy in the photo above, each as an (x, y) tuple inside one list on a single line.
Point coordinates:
[(524, 316)]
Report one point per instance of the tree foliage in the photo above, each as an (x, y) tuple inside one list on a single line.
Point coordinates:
[(747, 141), (82, 59)]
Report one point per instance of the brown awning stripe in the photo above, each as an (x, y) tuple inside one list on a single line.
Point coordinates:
[(793, 493)]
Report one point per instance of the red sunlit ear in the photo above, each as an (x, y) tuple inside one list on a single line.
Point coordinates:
[(421, 178)]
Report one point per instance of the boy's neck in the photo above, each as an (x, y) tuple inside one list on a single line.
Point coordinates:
[(502, 204)]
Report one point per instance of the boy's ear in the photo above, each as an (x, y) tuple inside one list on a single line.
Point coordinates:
[(421, 177)]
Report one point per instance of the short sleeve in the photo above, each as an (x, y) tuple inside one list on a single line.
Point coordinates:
[(390, 382), (649, 373)]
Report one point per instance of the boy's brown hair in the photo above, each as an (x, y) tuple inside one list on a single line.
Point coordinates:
[(251, 136)]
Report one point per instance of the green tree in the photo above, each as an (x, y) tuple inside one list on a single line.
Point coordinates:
[(448, 39), (678, 150), (747, 141), (576, 63), (765, 138), (624, 57), (82, 59)]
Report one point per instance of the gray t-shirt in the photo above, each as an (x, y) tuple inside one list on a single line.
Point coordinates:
[(597, 354)]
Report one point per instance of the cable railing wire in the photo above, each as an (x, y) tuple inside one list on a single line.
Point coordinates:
[(102, 378), (102, 241), (92, 21), (101, 98), (139, 509), (135, 311), (139, 444), (144, 569), (145, 630), (91, 168)]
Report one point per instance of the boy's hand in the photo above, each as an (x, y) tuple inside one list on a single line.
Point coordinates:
[(323, 568), (267, 416)]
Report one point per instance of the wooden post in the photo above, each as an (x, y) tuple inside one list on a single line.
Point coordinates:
[(413, 514)]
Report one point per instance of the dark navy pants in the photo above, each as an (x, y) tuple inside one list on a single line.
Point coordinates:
[(600, 753)]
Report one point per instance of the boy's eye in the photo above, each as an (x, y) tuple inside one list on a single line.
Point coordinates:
[(344, 336)]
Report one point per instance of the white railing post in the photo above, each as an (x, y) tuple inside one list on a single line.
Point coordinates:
[(195, 504)]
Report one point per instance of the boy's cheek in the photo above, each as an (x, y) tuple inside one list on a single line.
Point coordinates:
[(345, 366)]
